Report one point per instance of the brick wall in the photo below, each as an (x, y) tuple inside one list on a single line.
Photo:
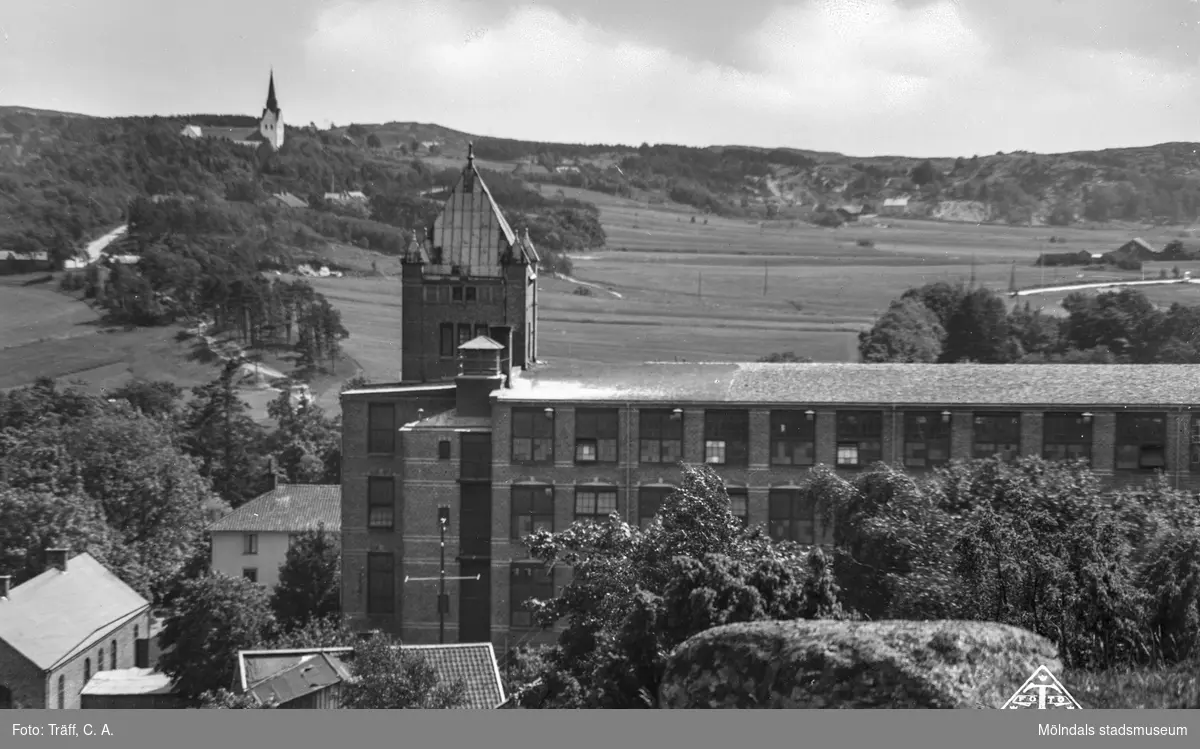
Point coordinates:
[(510, 303), (424, 481), (35, 689)]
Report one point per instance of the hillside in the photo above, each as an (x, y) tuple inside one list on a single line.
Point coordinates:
[(1151, 185)]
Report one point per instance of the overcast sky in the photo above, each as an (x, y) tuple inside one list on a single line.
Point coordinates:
[(865, 77)]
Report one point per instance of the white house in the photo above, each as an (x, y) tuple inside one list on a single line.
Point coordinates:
[(253, 540), (191, 131)]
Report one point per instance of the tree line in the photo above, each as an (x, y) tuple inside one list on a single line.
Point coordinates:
[(956, 322)]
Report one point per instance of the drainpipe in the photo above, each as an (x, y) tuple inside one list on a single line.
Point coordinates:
[(632, 452), (1181, 445), (895, 435)]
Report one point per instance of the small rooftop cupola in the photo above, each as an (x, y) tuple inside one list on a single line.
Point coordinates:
[(57, 558), (479, 374)]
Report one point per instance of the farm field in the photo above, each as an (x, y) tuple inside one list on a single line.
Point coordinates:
[(45, 333)]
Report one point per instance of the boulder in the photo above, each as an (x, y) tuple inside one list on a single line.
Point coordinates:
[(833, 664)]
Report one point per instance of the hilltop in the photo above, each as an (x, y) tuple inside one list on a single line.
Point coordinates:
[(1152, 184)]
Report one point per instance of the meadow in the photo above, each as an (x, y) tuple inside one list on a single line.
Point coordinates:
[(46, 333)]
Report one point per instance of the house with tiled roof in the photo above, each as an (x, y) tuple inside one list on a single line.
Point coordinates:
[(253, 540), (62, 627), (311, 678)]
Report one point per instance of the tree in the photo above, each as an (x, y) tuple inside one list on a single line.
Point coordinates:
[(942, 298), (37, 520), (306, 445), (635, 594), (924, 173), (309, 580), (221, 434), (159, 398), (389, 678), (213, 618), (150, 495), (784, 357), (978, 330), (907, 333)]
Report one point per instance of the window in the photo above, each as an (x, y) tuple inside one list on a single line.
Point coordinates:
[(381, 429), (594, 504), (456, 294), (596, 435), (250, 573), (739, 504), (87, 670), (446, 345), (430, 294), (532, 436), (525, 582), (726, 437), (650, 499), (859, 438), (443, 449), (464, 332), (381, 502), (1067, 436), (791, 516), (136, 632), (532, 510), (1141, 441), (381, 583), (926, 439), (997, 435), (62, 692), (1194, 441), (470, 293), (481, 329), (100, 660), (475, 457), (793, 438), (660, 436), (112, 663), (249, 543)]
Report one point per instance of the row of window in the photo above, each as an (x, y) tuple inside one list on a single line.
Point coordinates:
[(250, 542), (532, 508), (87, 669), (447, 293), (1140, 440), (452, 335)]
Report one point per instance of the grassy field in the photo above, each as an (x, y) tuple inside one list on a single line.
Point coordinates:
[(45, 333)]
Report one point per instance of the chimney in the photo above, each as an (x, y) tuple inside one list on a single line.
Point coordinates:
[(272, 479), (5, 586), (502, 334), (57, 558)]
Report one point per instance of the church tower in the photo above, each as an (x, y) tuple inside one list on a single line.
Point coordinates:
[(271, 125)]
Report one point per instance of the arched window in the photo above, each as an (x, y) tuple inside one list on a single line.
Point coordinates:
[(87, 670), (6, 701), (135, 632), (100, 660), (62, 692), (112, 663)]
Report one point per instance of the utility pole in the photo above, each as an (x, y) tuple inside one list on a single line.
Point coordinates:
[(700, 284), (766, 265), (443, 598)]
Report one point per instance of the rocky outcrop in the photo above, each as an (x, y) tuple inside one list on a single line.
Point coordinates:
[(830, 664)]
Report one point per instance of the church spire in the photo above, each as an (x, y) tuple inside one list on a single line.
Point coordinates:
[(272, 104)]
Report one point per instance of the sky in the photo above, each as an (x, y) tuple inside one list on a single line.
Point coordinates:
[(862, 77)]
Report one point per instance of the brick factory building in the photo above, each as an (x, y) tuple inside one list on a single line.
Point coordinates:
[(540, 448)]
